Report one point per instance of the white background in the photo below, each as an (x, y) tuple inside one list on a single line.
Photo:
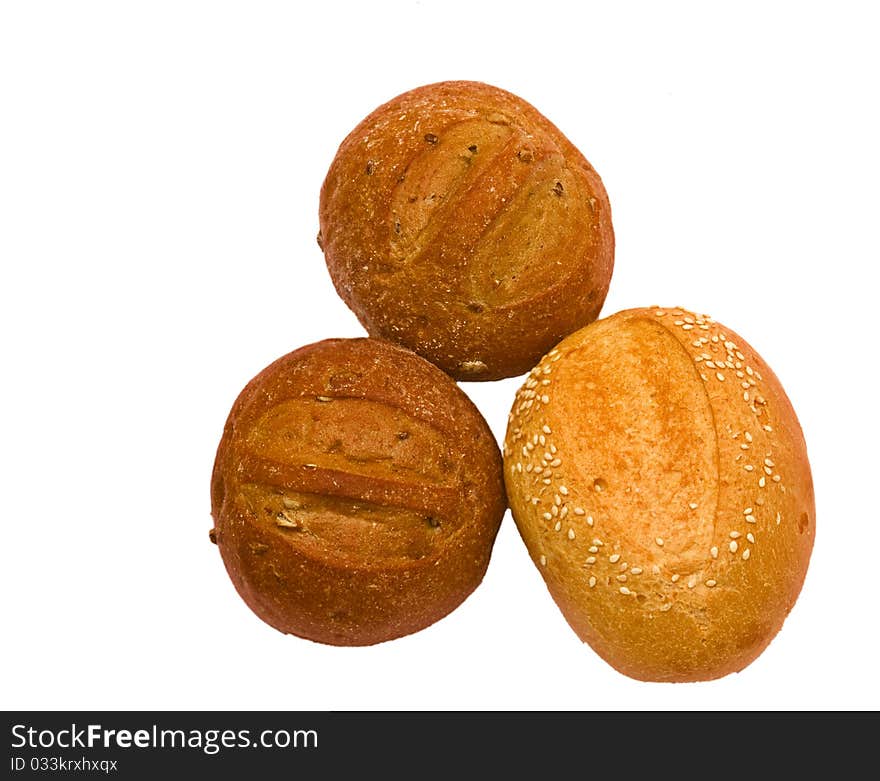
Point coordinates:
[(159, 172)]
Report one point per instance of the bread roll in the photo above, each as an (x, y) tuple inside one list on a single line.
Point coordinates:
[(356, 493), (659, 478), (458, 221)]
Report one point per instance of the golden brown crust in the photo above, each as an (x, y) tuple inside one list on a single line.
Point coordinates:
[(356, 493), (658, 474), (458, 221)]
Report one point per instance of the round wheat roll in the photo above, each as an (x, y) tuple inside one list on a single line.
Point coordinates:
[(356, 493), (458, 221), (658, 475)]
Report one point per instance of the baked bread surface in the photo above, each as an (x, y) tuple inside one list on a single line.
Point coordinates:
[(356, 493), (458, 221), (659, 477)]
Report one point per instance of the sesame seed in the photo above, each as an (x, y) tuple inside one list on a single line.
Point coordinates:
[(625, 591), (749, 468), (570, 533), (747, 511), (535, 500), (776, 478), (688, 319), (597, 541), (748, 436), (591, 560), (704, 377), (557, 526), (675, 578), (746, 553), (592, 581), (543, 440), (578, 510), (564, 511), (744, 446), (693, 505), (678, 322), (621, 578), (546, 481), (714, 551), (548, 517), (655, 570), (750, 519), (719, 376), (668, 605), (735, 535), (733, 546), (636, 570), (711, 583), (519, 467), (710, 364), (762, 482), (768, 470), (614, 558), (563, 490), (553, 449), (692, 581), (546, 429), (750, 537), (594, 549), (767, 428), (659, 313), (589, 520), (557, 500), (768, 462), (556, 462), (545, 399), (543, 560), (778, 519), (623, 566), (659, 541), (686, 327)]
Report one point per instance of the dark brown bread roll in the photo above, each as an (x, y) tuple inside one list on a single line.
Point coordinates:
[(356, 493), (659, 478), (458, 221)]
